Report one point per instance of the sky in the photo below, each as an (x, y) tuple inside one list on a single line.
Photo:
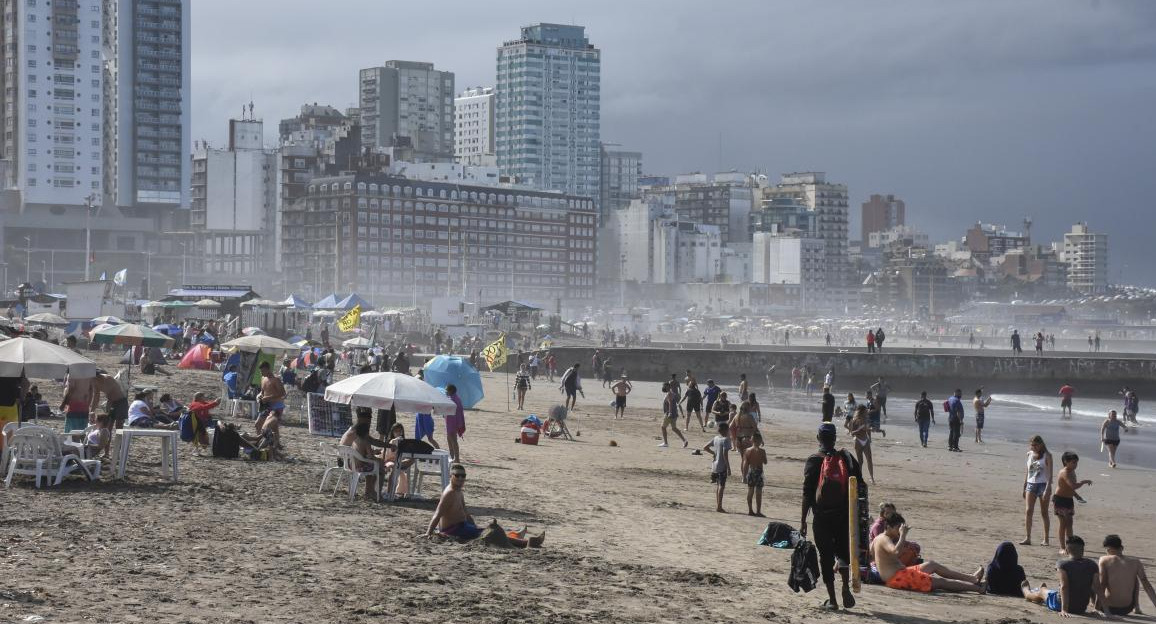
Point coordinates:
[(985, 110)]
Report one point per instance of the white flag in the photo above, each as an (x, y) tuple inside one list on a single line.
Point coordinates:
[(119, 277)]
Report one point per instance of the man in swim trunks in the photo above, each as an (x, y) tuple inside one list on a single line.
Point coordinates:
[(980, 404), (1066, 392), (572, 386), (1121, 578), (753, 461), (272, 397), (116, 401), (76, 402), (621, 388), (450, 518), (916, 578)]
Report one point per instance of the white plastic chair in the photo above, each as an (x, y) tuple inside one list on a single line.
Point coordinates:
[(349, 457), (9, 428), (424, 466), (331, 455), (36, 452)]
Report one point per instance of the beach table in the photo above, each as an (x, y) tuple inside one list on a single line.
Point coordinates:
[(169, 439), (437, 463)]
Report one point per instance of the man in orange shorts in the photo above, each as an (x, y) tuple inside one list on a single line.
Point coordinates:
[(916, 578)]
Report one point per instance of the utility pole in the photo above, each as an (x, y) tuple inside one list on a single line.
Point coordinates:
[(148, 275), (622, 282), (88, 208), (28, 259), (184, 265)]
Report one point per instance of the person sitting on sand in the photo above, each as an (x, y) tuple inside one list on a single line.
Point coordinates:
[(1079, 584), (169, 407), (1004, 576), (910, 554), (451, 519), (916, 578), (1121, 578)]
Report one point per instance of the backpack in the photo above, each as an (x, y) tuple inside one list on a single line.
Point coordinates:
[(923, 409), (947, 406), (777, 532), (187, 424), (804, 574), (831, 492), (226, 442)]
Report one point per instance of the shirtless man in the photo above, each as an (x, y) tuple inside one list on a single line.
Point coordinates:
[(621, 388), (1122, 578), (743, 429), (76, 402), (116, 401), (917, 578), (450, 518), (271, 397)]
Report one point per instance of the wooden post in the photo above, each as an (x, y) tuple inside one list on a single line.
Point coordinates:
[(853, 528)]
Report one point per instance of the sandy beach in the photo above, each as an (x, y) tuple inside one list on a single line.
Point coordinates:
[(632, 534)]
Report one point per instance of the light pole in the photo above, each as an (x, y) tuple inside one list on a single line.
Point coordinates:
[(622, 282), (184, 273), (28, 259), (88, 208), (148, 275)]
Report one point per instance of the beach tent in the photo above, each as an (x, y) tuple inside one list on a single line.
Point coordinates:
[(197, 358), (352, 301), (293, 301), (328, 303)]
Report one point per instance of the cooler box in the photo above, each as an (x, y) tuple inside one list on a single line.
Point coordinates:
[(529, 435)]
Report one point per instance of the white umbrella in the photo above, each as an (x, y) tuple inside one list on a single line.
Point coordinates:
[(356, 343), (253, 344), (42, 360), (372, 314), (324, 313), (107, 320), (207, 303), (386, 390), (46, 318), (101, 327)]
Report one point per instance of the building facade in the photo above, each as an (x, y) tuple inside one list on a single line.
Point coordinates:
[(987, 241), (474, 127), (398, 239), (723, 200), (881, 213), (1086, 254), (548, 115), (828, 201), (790, 260), (406, 104), (621, 170)]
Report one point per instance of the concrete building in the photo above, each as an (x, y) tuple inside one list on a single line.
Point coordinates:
[(723, 200), (1086, 254), (828, 201), (657, 247), (316, 124), (474, 127), (406, 104), (988, 240), (233, 212), (621, 170), (397, 240), (785, 215), (898, 234), (548, 120), (881, 213), (791, 260)]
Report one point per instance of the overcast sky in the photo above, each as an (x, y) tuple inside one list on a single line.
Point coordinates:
[(978, 110)]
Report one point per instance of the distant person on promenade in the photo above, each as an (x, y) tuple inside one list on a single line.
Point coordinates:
[(1064, 500), (1066, 392), (825, 480), (879, 338), (1037, 486), (980, 404), (924, 416), (1121, 578), (916, 578), (1017, 348), (1110, 436), (870, 341)]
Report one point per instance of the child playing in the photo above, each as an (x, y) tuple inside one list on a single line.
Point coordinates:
[(754, 459), (199, 408), (1063, 500), (719, 448), (98, 440)]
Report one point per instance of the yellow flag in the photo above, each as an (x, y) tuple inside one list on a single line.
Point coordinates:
[(495, 353), (351, 319)]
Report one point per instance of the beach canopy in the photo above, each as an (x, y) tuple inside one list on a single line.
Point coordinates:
[(197, 358), (293, 301), (444, 370), (46, 318), (253, 344), (134, 335), (386, 390), (38, 359), (208, 303), (352, 301), (328, 303)]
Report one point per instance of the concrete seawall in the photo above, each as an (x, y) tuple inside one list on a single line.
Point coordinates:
[(934, 370)]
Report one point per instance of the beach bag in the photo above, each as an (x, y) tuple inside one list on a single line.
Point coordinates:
[(947, 407), (226, 442), (831, 492), (777, 533), (804, 574), (188, 426)]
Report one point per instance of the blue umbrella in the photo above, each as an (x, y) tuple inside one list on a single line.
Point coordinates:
[(171, 330), (449, 369)]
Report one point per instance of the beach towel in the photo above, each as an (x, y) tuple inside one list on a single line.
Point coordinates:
[(778, 533)]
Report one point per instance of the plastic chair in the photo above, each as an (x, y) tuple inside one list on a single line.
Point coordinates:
[(331, 455), (9, 429), (36, 452), (425, 466), (350, 456)]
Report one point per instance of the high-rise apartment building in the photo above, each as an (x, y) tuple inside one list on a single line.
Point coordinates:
[(723, 200), (621, 170), (474, 127), (548, 110), (148, 105), (881, 213), (1086, 254), (829, 203), (408, 105)]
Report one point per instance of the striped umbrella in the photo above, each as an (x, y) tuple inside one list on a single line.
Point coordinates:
[(132, 335)]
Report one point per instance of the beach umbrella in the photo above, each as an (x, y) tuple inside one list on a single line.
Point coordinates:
[(253, 331), (38, 359), (131, 335), (356, 343), (169, 330), (389, 390), (107, 320), (444, 370), (46, 318), (100, 327), (208, 303), (253, 344)]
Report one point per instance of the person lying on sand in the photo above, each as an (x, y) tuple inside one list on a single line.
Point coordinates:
[(451, 519), (917, 578)]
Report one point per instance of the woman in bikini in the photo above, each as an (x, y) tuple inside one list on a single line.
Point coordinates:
[(1110, 436), (1037, 486), (860, 430)]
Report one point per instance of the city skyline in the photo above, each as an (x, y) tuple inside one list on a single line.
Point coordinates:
[(999, 113)]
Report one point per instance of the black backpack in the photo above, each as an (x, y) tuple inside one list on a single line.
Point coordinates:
[(804, 574), (226, 442)]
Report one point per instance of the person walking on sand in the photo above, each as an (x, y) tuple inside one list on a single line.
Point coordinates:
[(825, 479), (744, 389), (1122, 578), (980, 404), (881, 388), (1066, 392), (711, 394), (621, 388), (455, 423), (522, 384), (1037, 486), (670, 416), (753, 462), (860, 430), (1064, 501), (924, 416), (1110, 436), (571, 384), (719, 448), (693, 399), (955, 420), (828, 404), (916, 578)]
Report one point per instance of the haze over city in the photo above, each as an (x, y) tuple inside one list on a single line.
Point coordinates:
[(972, 111)]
